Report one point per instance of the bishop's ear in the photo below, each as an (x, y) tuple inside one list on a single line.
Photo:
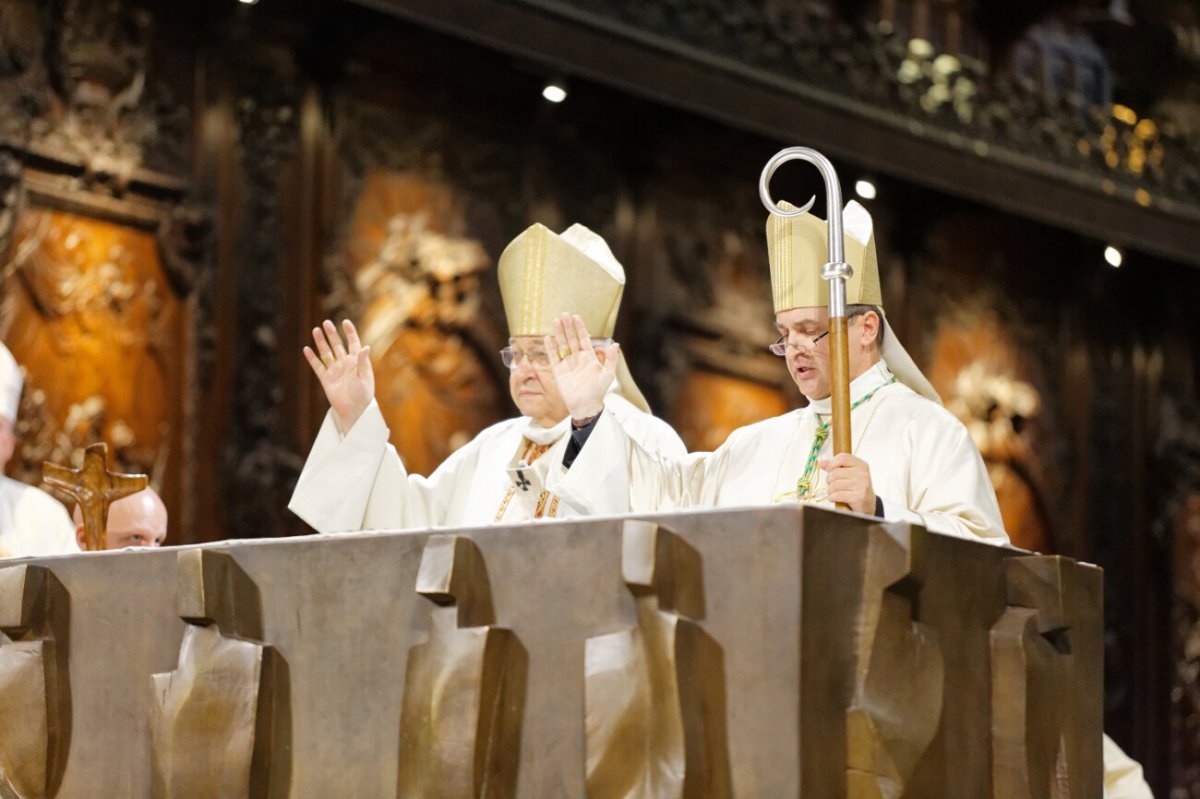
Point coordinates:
[(870, 325)]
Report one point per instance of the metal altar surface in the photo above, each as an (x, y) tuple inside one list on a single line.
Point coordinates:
[(790, 595)]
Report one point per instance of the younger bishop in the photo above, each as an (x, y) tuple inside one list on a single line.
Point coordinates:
[(910, 458)]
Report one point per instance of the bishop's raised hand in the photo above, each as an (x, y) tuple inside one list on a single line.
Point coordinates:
[(344, 371), (582, 372)]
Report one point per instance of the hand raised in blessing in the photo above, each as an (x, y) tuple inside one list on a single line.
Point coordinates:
[(583, 372), (344, 371)]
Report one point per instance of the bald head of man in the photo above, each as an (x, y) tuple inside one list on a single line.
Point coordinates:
[(138, 520)]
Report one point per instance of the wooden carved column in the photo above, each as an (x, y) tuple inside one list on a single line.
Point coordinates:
[(464, 689), (258, 466), (1038, 749), (655, 694), (35, 692), (221, 722), (899, 683)]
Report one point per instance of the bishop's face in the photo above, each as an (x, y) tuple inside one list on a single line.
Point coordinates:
[(808, 360), (532, 383)]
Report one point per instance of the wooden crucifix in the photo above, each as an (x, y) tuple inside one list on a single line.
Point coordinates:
[(94, 487)]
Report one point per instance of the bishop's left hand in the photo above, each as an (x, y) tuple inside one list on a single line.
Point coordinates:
[(848, 480), (583, 372)]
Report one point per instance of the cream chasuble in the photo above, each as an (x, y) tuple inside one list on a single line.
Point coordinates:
[(526, 496), (33, 523), (358, 482), (1122, 774), (924, 466)]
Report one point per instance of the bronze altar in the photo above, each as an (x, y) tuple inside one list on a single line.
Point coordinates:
[(767, 652)]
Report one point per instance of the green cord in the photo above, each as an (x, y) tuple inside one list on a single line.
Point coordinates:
[(804, 485)]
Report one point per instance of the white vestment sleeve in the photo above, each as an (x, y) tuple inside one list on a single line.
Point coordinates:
[(1122, 774), (651, 433), (61, 529), (597, 484), (614, 473), (949, 489), (33, 523), (45, 516), (358, 482)]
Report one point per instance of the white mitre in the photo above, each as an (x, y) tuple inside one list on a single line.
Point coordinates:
[(797, 248), (11, 381)]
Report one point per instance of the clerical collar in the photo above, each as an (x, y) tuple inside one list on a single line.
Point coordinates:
[(547, 435), (870, 380)]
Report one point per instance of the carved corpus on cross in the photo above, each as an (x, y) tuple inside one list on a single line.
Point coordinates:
[(94, 487)]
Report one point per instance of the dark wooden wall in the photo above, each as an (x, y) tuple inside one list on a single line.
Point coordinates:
[(286, 162)]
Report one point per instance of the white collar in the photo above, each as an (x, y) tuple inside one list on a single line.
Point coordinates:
[(870, 380), (547, 435)]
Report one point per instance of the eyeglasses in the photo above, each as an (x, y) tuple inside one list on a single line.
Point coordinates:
[(513, 357), (809, 341), (782, 346)]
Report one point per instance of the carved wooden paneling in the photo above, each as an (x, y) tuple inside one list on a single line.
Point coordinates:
[(417, 276), (712, 405), (978, 322), (1179, 523), (977, 370), (701, 291), (104, 296), (90, 312), (258, 465)]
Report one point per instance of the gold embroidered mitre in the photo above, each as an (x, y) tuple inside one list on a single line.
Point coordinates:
[(798, 246), (543, 275)]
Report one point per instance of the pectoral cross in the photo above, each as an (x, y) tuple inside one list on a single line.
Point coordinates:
[(522, 481), (94, 487)]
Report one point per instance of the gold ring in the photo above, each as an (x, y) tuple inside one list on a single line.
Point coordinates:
[(326, 359), (563, 353)]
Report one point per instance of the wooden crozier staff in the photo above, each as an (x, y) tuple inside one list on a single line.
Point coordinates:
[(94, 487), (836, 271)]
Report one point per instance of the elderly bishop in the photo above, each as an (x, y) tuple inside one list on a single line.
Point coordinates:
[(354, 479)]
